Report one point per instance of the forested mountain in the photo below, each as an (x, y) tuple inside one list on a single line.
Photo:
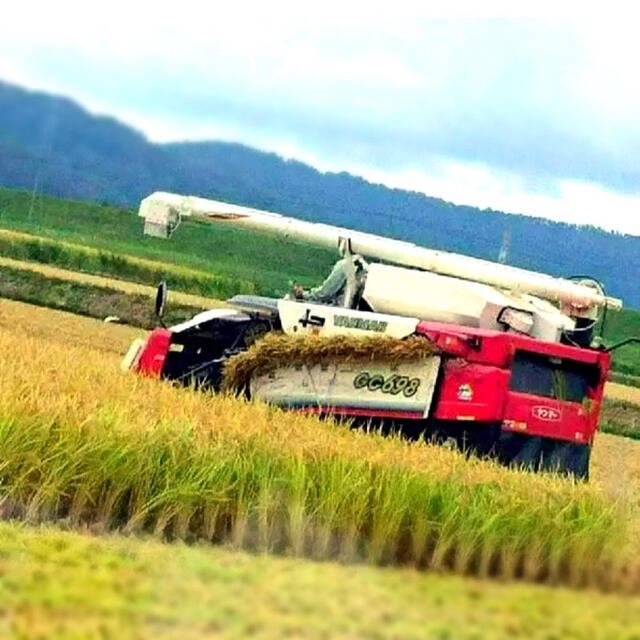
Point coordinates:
[(53, 145)]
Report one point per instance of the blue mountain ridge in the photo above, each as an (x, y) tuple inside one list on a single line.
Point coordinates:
[(53, 144)]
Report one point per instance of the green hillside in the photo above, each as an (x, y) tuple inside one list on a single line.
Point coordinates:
[(619, 326)]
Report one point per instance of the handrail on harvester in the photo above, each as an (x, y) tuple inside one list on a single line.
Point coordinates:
[(162, 213)]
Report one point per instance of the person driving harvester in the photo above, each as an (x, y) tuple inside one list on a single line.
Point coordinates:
[(332, 291)]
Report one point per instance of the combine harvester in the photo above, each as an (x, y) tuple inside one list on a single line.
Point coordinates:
[(514, 368)]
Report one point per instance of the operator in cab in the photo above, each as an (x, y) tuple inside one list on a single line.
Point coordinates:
[(335, 287)]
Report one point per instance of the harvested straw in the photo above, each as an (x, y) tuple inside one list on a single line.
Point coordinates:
[(280, 350)]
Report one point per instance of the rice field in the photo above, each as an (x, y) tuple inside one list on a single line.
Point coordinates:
[(68, 256), (89, 446), (62, 328)]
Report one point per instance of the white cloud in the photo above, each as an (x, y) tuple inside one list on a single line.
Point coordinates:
[(534, 117)]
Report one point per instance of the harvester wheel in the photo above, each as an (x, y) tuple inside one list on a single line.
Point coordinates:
[(566, 458), (544, 454), (519, 450)]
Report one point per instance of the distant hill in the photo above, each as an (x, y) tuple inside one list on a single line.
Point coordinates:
[(52, 144)]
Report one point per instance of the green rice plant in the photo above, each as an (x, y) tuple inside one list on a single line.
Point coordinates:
[(621, 417)]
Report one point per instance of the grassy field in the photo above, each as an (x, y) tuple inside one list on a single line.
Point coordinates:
[(75, 258), (619, 326), (236, 255), (60, 584)]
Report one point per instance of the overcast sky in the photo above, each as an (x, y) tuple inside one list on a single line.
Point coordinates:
[(537, 116)]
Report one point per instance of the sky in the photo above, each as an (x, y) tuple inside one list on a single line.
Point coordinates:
[(533, 114)]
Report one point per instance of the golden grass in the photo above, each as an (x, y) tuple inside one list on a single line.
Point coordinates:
[(65, 380), (110, 283), (616, 391), (615, 468), (280, 350), (67, 329), (97, 446), (612, 455)]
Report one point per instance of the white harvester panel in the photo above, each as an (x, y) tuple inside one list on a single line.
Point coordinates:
[(406, 387), (430, 296), (426, 295), (202, 317), (303, 317)]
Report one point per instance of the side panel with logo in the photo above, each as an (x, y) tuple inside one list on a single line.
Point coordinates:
[(405, 387), (300, 317), (471, 391), (548, 417)]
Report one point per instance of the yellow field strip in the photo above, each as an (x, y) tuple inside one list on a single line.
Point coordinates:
[(152, 264), (110, 283), (617, 391), (64, 584), (61, 327)]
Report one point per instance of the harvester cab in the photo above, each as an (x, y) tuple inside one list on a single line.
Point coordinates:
[(511, 369)]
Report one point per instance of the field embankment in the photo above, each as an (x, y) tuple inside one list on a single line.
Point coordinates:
[(621, 411), (624, 379), (124, 286), (621, 418), (88, 445), (76, 258), (93, 296), (60, 584)]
